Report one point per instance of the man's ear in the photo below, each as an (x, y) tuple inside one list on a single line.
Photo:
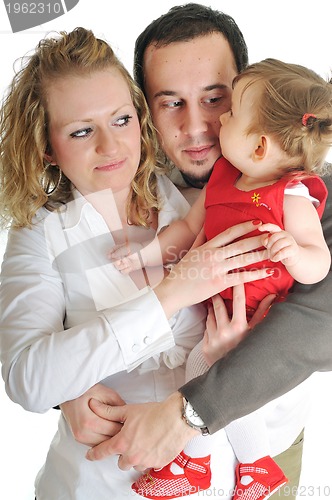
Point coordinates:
[(261, 148)]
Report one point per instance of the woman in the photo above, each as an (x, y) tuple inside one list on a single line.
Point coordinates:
[(78, 174)]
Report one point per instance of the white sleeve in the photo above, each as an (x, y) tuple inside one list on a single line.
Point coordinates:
[(44, 365), (299, 189)]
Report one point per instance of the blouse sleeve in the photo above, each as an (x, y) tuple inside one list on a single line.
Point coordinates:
[(44, 364)]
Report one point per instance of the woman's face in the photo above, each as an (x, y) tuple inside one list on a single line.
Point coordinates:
[(94, 131)]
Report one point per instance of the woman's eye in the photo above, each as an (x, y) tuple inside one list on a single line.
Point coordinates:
[(83, 132), (123, 121)]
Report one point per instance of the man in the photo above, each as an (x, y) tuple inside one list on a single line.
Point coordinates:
[(185, 62)]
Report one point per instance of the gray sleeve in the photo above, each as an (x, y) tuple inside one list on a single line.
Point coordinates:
[(291, 343)]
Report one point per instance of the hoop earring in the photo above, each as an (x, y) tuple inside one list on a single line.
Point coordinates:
[(52, 181)]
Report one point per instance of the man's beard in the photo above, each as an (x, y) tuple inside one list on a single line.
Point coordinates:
[(196, 181)]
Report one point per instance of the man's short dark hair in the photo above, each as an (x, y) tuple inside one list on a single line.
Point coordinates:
[(183, 23)]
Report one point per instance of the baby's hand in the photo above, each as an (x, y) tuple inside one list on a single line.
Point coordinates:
[(281, 245), (126, 258)]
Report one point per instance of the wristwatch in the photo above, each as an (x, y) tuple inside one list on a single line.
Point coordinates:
[(191, 417)]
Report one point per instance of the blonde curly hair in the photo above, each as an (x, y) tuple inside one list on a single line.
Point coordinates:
[(294, 106), (26, 182)]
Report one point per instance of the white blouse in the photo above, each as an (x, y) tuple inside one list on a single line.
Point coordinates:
[(69, 319)]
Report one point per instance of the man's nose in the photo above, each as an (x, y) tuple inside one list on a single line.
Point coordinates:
[(196, 120)]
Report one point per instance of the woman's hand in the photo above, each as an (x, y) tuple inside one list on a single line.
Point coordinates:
[(212, 267), (87, 427), (223, 333)]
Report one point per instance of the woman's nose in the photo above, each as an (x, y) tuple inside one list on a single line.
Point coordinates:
[(106, 143)]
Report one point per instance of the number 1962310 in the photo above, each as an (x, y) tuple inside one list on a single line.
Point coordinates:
[(34, 8)]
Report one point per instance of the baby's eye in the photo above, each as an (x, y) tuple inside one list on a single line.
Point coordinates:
[(83, 132)]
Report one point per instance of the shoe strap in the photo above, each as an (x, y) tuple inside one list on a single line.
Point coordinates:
[(181, 459), (247, 469), (186, 462)]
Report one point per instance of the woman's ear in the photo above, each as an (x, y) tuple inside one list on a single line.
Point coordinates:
[(261, 148), (48, 158)]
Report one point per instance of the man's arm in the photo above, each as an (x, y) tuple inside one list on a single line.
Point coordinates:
[(294, 341), (291, 343), (135, 443), (152, 434)]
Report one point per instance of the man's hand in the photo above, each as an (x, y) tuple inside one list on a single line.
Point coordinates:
[(152, 434), (86, 426), (223, 333), (262, 310)]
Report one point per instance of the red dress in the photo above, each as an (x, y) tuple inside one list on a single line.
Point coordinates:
[(226, 206)]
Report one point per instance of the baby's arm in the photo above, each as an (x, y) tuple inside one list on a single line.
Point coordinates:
[(170, 244), (301, 247)]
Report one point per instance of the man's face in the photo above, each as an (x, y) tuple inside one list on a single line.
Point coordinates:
[(188, 86)]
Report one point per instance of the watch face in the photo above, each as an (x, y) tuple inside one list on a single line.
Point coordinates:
[(192, 416)]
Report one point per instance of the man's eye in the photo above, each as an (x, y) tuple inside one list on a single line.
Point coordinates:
[(83, 132), (173, 104), (214, 100)]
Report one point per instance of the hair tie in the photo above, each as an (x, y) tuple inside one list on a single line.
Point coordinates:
[(306, 117)]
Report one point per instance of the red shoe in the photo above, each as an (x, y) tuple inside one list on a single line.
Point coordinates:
[(267, 478), (162, 484)]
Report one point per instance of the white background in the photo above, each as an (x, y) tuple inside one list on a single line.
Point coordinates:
[(296, 31)]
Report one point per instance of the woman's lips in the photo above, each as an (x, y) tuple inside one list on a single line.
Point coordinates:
[(110, 166)]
